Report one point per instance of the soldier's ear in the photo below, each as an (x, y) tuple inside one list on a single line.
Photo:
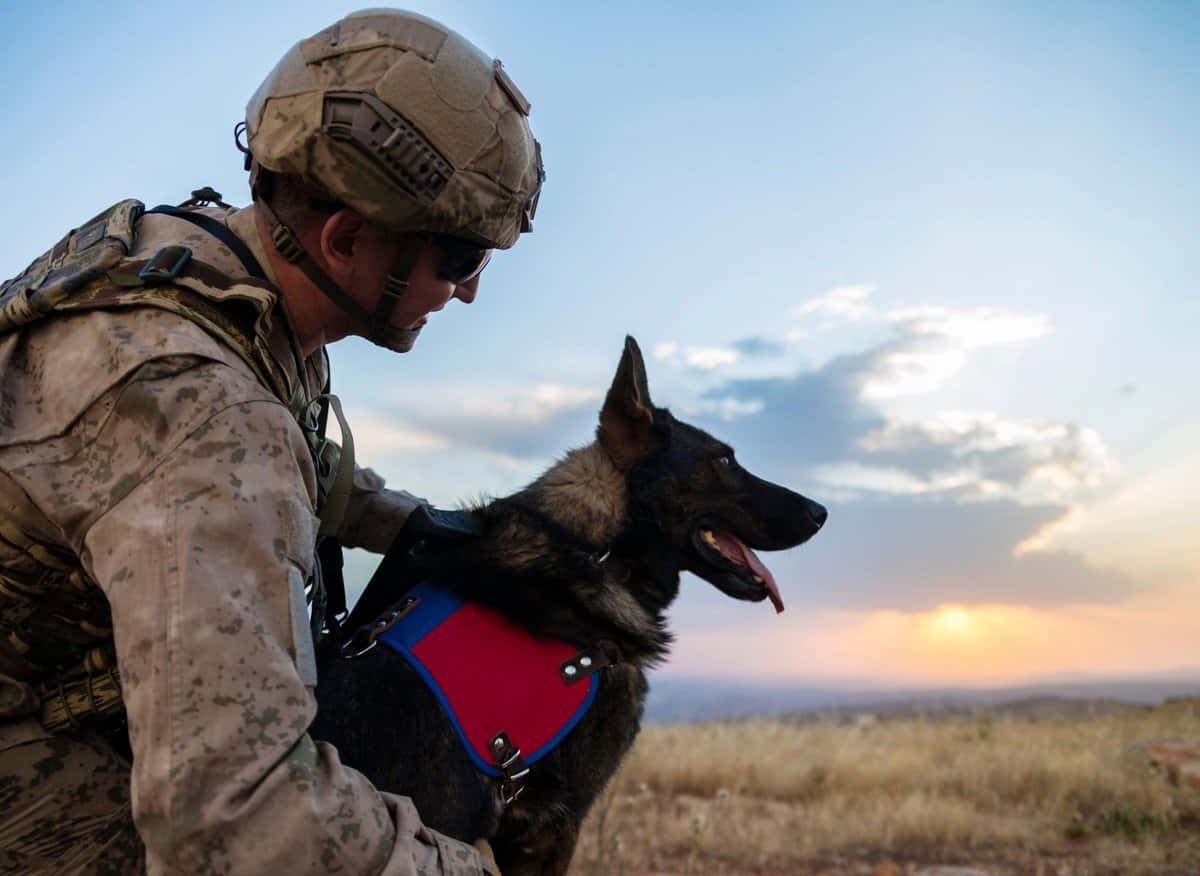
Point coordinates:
[(626, 429), (341, 238)]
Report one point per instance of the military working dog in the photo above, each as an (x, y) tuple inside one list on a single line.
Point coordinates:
[(590, 552)]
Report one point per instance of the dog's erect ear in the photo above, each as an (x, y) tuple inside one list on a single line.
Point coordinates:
[(627, 418), (630, 383)]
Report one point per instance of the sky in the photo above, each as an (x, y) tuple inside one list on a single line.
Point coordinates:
[(931, 264)]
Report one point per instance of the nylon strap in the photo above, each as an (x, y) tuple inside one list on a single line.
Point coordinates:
[(92, 693), (394, 287), (218, 230), (333, 511), (293, 250)]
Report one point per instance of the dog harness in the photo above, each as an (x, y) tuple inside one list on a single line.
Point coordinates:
[(511, 696)]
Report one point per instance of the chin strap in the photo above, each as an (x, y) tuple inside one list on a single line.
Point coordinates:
[(378, 324), (381, 331)]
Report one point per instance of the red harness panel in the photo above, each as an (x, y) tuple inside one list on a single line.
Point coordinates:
[(491, 676)]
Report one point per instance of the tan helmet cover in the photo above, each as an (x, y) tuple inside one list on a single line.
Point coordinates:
[(405, 121)]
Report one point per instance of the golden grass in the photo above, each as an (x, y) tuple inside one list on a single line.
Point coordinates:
[(1050, 795)]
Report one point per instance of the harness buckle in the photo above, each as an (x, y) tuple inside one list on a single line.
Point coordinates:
[(166, 264), (512, 766), (367, 636), (286, 243)]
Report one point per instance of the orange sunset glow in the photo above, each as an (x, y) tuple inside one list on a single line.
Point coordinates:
[(962, 644)]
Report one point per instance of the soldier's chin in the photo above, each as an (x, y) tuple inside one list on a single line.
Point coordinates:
[(398, 340)]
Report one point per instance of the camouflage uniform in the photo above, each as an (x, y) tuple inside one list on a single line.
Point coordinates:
[(146, 471)]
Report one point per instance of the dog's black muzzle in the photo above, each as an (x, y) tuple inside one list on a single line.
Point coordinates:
[(786, 519)]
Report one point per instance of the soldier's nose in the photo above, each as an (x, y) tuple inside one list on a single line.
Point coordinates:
[(467, 291)]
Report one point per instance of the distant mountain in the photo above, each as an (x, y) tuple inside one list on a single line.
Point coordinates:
[(675, 700)]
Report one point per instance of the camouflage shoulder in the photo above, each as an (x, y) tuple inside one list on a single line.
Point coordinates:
[(44, 390)]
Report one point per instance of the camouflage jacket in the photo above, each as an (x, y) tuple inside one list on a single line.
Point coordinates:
[(154, 489)]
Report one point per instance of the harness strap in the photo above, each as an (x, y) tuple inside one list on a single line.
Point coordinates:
[(218, 230), (603, 653), (513, 769), (400, 569), (334, 510), (330, 615), (90, 694), (290, 247), (364, 638)]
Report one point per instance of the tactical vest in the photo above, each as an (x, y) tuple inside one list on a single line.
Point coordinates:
[(55, 623)]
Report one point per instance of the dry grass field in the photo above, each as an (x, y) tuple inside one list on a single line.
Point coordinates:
[(998, 791)]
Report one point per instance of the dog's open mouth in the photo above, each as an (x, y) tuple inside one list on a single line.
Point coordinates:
[(730, 558)]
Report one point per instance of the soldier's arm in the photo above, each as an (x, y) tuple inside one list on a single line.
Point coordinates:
[(374, 513), (203, 552)]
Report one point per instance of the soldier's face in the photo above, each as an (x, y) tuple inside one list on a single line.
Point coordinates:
[(427, 292)]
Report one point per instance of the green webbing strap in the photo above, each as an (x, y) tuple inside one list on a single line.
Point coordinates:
[(334, 509), (91, 693)]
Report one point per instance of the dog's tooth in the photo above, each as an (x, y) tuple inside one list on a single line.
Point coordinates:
[(759, 579), (708, 536)]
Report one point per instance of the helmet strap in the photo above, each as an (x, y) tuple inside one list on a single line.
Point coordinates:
[(382, 332), (396, 283), (379, 331)]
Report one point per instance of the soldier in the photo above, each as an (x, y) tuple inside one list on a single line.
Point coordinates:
[(163, 477)]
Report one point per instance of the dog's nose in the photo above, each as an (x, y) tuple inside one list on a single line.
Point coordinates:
[(817, 513)]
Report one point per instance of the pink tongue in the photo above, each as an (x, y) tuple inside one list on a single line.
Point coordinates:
[(732, 547)]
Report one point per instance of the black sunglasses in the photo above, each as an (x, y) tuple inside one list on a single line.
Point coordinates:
[(461, 260)]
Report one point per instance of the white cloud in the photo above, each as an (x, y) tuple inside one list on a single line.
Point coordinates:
[(376, 436), (529, 405), (933, 344), (726, 409), (665, 350), (702, 358), (887, 479), (549, 398), (1028, 460), (984, 430), (912, 372), (972, 328), (1149, 523), (1046, 537), (708, 358), (841, 302)]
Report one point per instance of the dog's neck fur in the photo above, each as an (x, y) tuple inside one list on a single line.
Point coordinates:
[(585, 493), (619, 599)]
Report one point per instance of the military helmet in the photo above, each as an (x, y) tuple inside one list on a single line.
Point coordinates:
[(407, 122)]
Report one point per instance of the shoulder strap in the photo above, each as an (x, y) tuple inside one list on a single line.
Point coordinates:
[(218, 230)]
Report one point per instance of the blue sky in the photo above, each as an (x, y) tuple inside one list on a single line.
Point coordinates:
[(932, 264)]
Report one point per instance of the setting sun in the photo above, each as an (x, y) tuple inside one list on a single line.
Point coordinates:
[(951, 622)]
